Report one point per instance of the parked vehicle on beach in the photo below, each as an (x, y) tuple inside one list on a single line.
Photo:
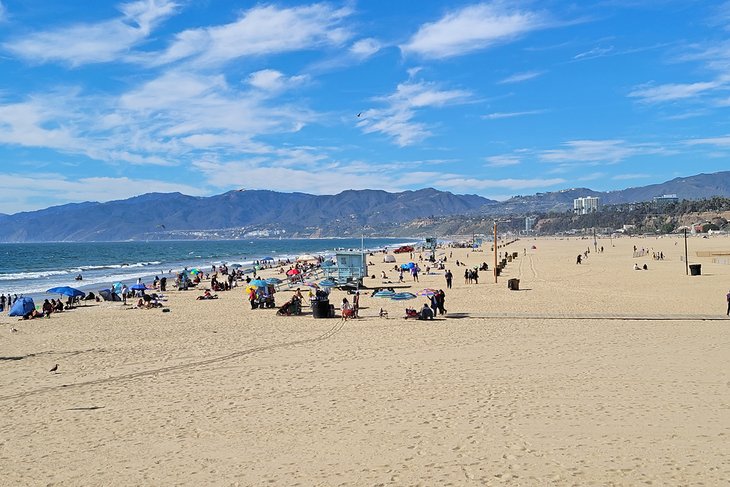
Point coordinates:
[(403, 249)]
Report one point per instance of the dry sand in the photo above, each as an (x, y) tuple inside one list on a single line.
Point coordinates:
[(591, 374)]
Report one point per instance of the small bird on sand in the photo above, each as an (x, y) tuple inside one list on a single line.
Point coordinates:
[(54, 369), (13, 330)]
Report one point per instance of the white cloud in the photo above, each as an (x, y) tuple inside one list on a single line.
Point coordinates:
[(32, 192), (596, 52), (364, 48), (596, 151), (622, 177), (520, 77), (396, 119), (260, 31), (95, 43), (673, 91), (502, 160), (469, 184), (472, 28), (498, 115), (273, 80), (723, 141)]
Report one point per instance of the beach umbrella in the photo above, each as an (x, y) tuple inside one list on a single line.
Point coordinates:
[(293, 272), (194, 271), (258, 283), (402, 296), (66, 291), (138, 287), (268, 258), (310, 284), (117, 287), (383, 293), (427, 292), (306, 257), (236, 266), (274, 280)]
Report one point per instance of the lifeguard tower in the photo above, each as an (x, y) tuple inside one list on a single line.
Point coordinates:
[(351, 268), (431, 244)]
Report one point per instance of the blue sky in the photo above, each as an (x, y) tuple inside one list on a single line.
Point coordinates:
[(105, 100)]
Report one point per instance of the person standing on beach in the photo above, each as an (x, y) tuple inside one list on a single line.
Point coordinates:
[(125, 290), (449, 277), (728, 303)]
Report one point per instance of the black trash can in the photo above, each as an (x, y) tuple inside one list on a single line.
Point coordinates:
[(695, 269), (320, 308), (499, 270), (513, 284)]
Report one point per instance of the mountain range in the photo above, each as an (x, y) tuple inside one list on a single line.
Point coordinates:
[(239, 214)]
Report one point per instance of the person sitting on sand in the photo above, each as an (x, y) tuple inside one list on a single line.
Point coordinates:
[(298, 295), (47, 307), (33, 315), (636, 267), (426, 313)]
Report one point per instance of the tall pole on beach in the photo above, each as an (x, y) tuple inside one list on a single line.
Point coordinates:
[(595, 242), (495, 251), (686, 256)]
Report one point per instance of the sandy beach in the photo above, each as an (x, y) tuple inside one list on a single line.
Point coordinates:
[(590, 374)]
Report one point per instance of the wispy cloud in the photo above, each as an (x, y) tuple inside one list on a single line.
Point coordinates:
[(623, 177), (498, 115), (95, 43), (596, 52), (260, 31), (723, 141), (364, 48), (274, 81), (674, 91), (503, 160), (596, 151), (396, 119), (520, 77), (3, 12), (472, 28)]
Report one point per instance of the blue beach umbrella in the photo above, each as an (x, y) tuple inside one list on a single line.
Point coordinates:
[(274, 280), (258, 283), (66, 291), (268, 258), (402, 296), (138, 287)]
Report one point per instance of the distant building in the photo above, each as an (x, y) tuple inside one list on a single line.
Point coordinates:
[(530, 223), (585, 205), (665, 199)]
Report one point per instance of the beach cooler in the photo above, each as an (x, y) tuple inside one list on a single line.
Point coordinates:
[(695, 269), (513, 284)]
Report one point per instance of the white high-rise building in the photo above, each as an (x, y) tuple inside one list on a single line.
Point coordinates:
[(530, 223), (585, 205)]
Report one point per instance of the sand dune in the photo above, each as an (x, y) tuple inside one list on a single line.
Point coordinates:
[(589, 374)]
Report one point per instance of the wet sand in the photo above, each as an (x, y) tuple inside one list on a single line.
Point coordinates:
[(589, 374)]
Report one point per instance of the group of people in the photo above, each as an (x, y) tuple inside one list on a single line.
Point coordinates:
[(6, 302)]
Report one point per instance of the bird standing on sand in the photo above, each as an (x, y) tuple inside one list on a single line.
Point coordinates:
[(54, 369)]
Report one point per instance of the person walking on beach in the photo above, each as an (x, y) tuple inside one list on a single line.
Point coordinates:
[(440, 300), (449, 277), (125, 290), (728, 303)]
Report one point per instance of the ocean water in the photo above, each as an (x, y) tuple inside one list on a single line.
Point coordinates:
[(32, 268)]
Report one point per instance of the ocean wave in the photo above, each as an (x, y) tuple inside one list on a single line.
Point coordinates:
[(31, 275), (73, 271)]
